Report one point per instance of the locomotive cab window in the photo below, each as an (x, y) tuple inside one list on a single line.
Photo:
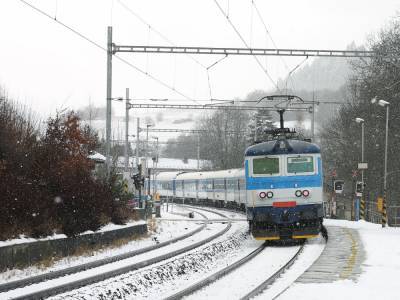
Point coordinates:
[(266, 166), (300, 164)]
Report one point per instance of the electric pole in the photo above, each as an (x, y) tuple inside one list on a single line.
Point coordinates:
[(109, 84), (126, 130)]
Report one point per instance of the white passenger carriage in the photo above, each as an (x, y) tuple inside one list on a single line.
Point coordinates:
[(221, 188), (165, 184)]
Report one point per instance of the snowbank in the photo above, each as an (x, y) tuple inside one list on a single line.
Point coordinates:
[(381, 269)]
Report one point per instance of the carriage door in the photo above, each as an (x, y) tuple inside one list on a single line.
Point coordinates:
[(225, 192), (197, 190)]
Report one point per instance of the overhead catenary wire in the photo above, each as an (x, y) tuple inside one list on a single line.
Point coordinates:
[(292, 71), (76, 32), (267, 31), (160, 34), (165, 38), (208, 74), (269, 35), (245, 43)]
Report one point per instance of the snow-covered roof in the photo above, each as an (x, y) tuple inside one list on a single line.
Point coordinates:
[(167, 175), (290, 146), (166, 163), (233, 173), (193, 175), (96, 156)]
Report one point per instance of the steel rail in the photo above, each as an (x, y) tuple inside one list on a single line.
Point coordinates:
[(264, 285), (205, 209), (94, 264), (72, 285), (212, 278)]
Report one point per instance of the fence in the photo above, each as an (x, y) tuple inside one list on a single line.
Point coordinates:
[(26, 254), (394, 215)]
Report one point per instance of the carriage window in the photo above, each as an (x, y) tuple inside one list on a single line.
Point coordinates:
[(303, 164), (266, 165)]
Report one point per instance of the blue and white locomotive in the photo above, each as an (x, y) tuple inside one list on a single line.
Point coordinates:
[(280, 187), (284, 189)]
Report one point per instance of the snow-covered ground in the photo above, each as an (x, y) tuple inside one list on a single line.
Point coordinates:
[(161, 279), (247, 277), (378, 280), (163, 230), (23, 239), (381, 268), (210, 230)]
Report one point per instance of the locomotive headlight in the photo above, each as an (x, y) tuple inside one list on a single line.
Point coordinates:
[(306, 193), (270, 194), (262, 195), (298, 193)]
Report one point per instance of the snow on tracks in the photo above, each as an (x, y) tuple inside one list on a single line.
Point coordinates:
[(160, 279), (114, 266)]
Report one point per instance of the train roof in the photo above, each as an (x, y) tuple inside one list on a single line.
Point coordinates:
[(167, 175), (285, 146), (211, 174)]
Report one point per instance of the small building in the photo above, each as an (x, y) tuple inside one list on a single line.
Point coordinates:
[(98, 159)]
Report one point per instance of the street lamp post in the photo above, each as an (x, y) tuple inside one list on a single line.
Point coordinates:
[(156, 199), (147, 157), (126, 152), (386, 104), (155, 162), (108, 128), (360, 120), (147, 142)]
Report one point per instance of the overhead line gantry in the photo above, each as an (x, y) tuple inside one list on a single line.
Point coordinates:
[(244, 51), (219, 107), (112, 49)]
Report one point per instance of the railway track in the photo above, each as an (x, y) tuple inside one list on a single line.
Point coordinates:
[(39, 285), (256, 291), (270, 280), (210, 279), (86, 266), (218, 275)]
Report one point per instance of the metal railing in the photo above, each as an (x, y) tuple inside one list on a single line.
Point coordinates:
[(394, 215)]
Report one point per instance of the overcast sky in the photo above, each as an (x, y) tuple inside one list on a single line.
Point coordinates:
[(47, 67)]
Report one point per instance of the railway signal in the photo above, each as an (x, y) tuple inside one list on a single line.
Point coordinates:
[(359, 188), (338, 186)]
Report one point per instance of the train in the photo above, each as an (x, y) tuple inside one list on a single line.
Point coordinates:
[(279, 187)]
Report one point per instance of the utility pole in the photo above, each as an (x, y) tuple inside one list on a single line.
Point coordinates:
[(198, 152), (384, 211), (362, 154), (155, 169), (255, 128), (126, 130), (137, 141), (109, 85), (147, 144), (313, 120)]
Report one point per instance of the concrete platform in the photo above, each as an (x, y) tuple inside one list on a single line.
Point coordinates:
[(341, 258)]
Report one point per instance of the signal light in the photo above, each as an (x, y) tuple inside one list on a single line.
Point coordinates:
[(338, 186), (298, 193), (262, 195), (306, 193), (270, 194)]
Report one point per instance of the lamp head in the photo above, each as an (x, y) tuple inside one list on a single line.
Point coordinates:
[(359, 120), (383, 103), (374, 100)]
